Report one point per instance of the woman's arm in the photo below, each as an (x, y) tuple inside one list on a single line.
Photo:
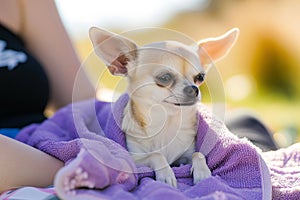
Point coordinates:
[(48, 40), (23, 165)]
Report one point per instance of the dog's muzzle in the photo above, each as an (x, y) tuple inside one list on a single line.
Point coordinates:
[(189, 96)]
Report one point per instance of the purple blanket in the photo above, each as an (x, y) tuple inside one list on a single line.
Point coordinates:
[(284, 166), (88, 138)]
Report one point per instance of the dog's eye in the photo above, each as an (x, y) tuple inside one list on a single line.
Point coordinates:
[(164, 80), (199, 78)]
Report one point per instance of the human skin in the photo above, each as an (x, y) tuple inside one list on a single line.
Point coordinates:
[(39, 25), (23, 165)]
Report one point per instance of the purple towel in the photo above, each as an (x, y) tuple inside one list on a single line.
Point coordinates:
[(88, 138), (284, 165)]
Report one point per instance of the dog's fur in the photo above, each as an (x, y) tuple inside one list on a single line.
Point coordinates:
[(160, 118)]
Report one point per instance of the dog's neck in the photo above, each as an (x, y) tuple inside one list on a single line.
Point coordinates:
[(148, 118)]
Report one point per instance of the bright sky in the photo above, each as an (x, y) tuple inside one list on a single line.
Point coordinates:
[(79, 15)]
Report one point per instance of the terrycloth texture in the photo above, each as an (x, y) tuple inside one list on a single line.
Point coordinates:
[(284, 165), (87, 136)]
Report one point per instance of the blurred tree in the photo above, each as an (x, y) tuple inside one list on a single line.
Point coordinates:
[(274, 68), (216, 7)]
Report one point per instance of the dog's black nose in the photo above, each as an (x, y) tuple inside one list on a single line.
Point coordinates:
[(191, 91)]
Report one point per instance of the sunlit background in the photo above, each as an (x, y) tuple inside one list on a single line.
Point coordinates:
[(262, 71)]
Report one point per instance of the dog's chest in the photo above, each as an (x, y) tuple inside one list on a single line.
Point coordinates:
[(172, 136)]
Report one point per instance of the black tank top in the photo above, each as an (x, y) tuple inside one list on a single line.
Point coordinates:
[(24, 87)]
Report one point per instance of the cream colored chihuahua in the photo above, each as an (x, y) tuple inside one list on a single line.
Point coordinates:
[(160, 119)]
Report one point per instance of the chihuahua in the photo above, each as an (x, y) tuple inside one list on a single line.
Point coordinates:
[(160, 118)]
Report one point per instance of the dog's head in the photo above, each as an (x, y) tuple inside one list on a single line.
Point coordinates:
[(166, 72)]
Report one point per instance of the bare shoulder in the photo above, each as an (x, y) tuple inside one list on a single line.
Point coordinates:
[(10, 15), (38, 13)]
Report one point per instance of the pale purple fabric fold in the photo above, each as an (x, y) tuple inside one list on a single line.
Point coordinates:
[(88, 138), (284, 166)]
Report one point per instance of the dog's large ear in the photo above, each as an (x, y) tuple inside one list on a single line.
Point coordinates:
[(213, 49), (116, 51)]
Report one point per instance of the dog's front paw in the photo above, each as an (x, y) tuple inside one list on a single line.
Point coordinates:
[(199, 168), (166, 175)]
